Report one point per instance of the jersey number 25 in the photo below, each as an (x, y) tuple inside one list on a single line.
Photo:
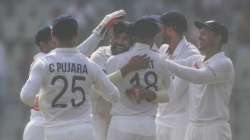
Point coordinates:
[(74, 89)]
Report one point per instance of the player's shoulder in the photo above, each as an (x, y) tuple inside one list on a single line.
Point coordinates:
[(103, 49), (47, 56), (153, 54), (38, 55), (89, 62), (191, 49), (101, 52), (84, 59), (221, 59), (120, 56)]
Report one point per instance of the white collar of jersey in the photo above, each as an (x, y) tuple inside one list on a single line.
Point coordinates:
[(68, 50), (38, 55), (182, 44), (218, 55), (140, 46)]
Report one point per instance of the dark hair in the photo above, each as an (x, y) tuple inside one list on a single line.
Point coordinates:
[(175, 20), (43, 35), (65, 28), (122, 27), (145, 28)]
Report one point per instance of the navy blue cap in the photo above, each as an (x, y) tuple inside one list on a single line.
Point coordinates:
[(146, 27), (65, 27), (214, 26)]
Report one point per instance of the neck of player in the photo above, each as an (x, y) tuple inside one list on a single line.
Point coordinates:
[(67, 44)]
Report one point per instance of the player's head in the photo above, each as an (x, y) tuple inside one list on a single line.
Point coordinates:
[(120, 40), (212, 35), (43, 39), (65, 31), (145, 29), (174, 25)]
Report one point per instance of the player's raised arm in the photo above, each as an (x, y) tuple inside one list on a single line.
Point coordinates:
[(88, 46), (33, 84), (214, 73)]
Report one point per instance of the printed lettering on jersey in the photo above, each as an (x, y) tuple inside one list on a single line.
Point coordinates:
[(68, 68), (69, 83), (73, 87), (149, 78)]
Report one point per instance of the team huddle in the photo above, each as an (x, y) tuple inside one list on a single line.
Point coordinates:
[(131, 89)]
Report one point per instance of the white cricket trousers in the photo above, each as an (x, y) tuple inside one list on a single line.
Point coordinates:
[(163, 132), (33, 131), (209, 131), (80, 131), (132, 128), (171, 129), (100, 125)]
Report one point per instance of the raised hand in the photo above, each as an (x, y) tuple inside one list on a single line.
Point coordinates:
[(109, 20)]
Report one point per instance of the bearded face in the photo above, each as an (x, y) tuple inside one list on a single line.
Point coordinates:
[(120, 43)]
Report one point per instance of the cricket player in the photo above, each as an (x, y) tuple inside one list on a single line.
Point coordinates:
[(64, 78), (211, 85), (34, 128), (135, 119), (172, 117), (119, 43), (43, 39)]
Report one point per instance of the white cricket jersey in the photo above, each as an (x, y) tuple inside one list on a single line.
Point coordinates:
[(152, 78), (35, 114), (64, 78), (100, 57), (100, 107), (88, 46), (176, 110), (211, 87)]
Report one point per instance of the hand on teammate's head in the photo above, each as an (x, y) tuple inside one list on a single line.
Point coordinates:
[(108, 21)]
